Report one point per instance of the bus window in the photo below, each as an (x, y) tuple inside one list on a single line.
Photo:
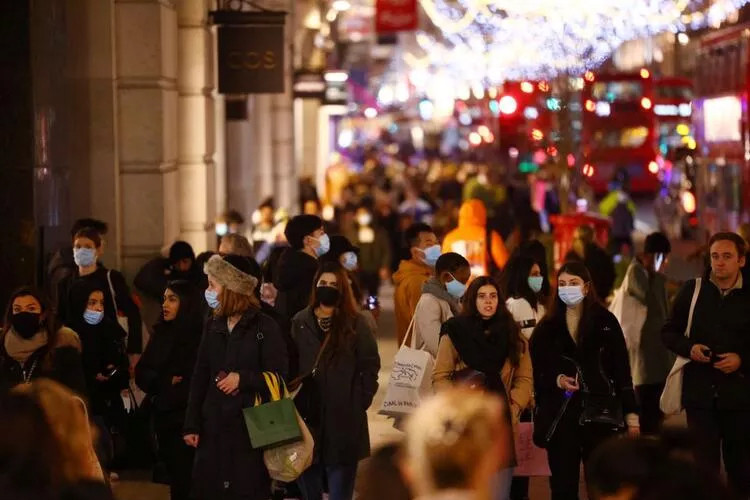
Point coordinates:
[(627, 137), (623, 91)]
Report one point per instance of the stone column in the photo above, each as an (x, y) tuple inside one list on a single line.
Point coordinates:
[(195, 119), (146, 128)]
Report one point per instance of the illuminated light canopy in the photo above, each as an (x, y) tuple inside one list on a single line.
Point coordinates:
[(497, 40)]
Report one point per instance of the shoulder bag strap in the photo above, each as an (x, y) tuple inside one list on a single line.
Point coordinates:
[(696, 292), (410, 331), (112, 290), (294, 384)]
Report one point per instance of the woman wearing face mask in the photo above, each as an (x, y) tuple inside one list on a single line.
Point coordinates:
[(105, 364), (578, 346), (239, 343), (439, 300), (34, 345), (483, 347), (164, 372), (345, 381), (87, 249)]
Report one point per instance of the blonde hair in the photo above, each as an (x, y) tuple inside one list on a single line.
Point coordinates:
[(239, 244), (231, 303), (68, 418), (449, 435)]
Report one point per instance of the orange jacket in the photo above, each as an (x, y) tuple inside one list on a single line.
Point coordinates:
[(408, 281), (468, 239)]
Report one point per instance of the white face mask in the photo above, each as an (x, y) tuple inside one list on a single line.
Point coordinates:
[(571, 295)]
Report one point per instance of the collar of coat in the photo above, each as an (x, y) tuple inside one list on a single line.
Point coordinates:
[(218, 324)]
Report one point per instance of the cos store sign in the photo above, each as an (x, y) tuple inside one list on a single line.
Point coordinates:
[(251, 58)]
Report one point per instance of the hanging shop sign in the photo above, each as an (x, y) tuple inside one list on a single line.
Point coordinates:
[(309, 85), (392, 16), (250, 52)]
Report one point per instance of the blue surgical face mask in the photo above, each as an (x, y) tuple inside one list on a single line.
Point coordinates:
[(84, 257), (571, 295), (535, 283), (212, 298), (324, 244), (349, 261), (455, 288), (93, 317), (431, 255)]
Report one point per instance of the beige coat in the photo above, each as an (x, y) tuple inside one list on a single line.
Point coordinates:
[(517, 380), (429, 316)]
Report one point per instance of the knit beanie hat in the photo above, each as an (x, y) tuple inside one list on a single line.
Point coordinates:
[(180, 250), (299, 227), (232, 272)]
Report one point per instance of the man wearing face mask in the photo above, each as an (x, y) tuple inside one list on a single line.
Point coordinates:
[(650, 360), (412, 274), (293, 277)]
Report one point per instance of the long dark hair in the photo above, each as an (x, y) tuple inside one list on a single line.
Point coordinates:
[(346, 312), (589, 302), (502, 315), (515, 283), (190, 313), (50, 322)]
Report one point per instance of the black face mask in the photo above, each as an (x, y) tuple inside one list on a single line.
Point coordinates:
[(26, 324), (328, 296)]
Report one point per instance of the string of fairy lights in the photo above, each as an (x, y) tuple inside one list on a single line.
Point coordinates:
[(485, 42)]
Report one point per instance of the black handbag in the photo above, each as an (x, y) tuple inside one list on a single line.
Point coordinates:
[(600, 409)]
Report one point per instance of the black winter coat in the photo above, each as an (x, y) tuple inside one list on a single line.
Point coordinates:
[(63, 367), (171, 352), (293, 278), (602, 339), (153, 277), (224, 455), (722, 324), (72, 288), (346, 385)]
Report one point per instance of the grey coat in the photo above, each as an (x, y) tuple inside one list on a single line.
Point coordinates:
[(346, 384), (652, 362)]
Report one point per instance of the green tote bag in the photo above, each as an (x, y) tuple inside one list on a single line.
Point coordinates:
[(273, 423)]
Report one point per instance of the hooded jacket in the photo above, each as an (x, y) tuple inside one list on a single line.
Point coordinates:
[(408, 280), (469, 239), (434, 308)]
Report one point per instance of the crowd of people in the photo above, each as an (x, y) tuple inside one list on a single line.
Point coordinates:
[(512, 342)]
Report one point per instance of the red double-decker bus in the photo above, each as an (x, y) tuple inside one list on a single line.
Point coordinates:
[(720, 118), (619, 136)]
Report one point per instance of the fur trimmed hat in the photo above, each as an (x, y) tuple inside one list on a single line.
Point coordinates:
[(230, 276)]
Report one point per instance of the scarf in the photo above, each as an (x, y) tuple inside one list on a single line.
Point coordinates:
[(433, 286), (481, 344), (20, 348)]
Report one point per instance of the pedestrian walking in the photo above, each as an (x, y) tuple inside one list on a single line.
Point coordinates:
[(338, 350), (235, 244), (482, 247), (105, 365), (296, 268), (715, 386), (583, 388), (239, 344), (164, 372), (374, 250), (483, 347), (33, 345), (642, 315), (439, 300), (523, 284), (424, 251), (455, 444), (87, 248)]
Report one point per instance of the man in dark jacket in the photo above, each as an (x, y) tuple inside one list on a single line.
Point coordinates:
[(596, 259), (296, 269), (716, 383)]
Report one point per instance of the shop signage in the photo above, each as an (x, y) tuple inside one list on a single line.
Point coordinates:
[(309, 85), (251, 54), (395, 15)]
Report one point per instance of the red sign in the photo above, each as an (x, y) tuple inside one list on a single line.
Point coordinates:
[(395, 15)]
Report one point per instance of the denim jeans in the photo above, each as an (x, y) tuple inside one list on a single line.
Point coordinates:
[(340, 480)]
